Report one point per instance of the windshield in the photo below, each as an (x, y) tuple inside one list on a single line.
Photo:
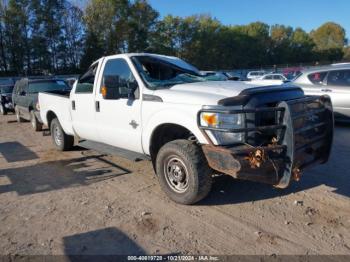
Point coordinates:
[(45, 86), (158, 73), (6, 89)]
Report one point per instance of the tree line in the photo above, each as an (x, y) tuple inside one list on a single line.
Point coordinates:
[(56, 37)]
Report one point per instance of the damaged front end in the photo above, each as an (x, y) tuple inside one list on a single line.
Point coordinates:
[(278, 140)]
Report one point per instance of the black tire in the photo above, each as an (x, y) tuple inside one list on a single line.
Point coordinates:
[(176, 159), (61, 140), (37, 126), (3, 110), (18, 115)]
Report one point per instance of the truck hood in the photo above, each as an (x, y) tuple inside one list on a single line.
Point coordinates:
[(203, 93)]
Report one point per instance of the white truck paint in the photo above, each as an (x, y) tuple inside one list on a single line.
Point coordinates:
[(180, 106), (164, 108)]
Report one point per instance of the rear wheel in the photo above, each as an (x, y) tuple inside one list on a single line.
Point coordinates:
[(61, 140), (37, 126), (18, 115), (183, 172), (3, 110)]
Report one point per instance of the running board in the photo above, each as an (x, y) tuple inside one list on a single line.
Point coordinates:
[(112, 150)]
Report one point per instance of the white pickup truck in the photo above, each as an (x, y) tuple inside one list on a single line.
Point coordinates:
[(146, 106)]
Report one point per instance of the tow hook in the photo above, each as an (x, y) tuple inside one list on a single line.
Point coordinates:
[(296, 174), (256, 158)]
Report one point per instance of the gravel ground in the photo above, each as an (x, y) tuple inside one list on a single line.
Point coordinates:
[(82, 202)]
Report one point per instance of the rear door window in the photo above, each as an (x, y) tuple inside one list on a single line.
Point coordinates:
[(317, 78), (339, 78), (85, 83)]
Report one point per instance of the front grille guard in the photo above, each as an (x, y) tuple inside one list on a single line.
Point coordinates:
[(303, 128)]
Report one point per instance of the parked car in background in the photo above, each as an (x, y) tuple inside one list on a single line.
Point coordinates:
[(70, 81), (147, 106), (234, 76), (292, 72), (333, 80), (270, 79), (6, 98), (214, 75), (223, 75), (255, 74), (25, 98)]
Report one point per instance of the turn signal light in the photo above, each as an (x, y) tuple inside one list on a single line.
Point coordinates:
[(104, 91), (210, 119)]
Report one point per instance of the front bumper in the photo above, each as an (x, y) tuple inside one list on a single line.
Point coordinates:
[(302, 135)]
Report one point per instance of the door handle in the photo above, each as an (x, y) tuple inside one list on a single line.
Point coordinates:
[(326, 90), (97, 106), (73, 105)]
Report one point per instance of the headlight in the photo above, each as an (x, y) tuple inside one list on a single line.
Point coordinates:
[(222, 121)]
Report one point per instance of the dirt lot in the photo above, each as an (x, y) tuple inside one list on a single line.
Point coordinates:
[(82, 202)]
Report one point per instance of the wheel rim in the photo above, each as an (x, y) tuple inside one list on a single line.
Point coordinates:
[(57, 135), (176, 174)]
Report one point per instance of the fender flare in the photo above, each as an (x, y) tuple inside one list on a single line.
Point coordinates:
[(180, 118)]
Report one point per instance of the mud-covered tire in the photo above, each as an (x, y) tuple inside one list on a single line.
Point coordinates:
[(37, 126), (176, 158), (3, 110), (61, 140), (18, 115)]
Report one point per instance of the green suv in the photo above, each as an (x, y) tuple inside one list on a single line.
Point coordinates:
[(25, 98)]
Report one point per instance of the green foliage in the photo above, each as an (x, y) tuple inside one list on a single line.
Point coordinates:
[(329, 36), (53, 36), (117, 26), (329, 41), (347, 54)]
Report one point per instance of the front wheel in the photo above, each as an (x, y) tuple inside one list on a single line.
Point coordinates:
[(3, 110), (37, 126), (61, 140), (183, 172)]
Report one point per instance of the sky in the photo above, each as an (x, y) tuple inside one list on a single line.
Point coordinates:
[(307, 14)]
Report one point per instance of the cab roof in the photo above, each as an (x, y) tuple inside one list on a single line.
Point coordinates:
[(170, 59)]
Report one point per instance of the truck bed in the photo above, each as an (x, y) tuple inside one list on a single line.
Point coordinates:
[(56, 103)]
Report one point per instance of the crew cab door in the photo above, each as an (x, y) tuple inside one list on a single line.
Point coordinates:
[(338, 88), (318, 85), (83, 105), (118, 119)]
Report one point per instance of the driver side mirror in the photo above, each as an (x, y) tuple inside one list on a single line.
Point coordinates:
[(132, 87), (113, 89), (110, 93), (110, 89)]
